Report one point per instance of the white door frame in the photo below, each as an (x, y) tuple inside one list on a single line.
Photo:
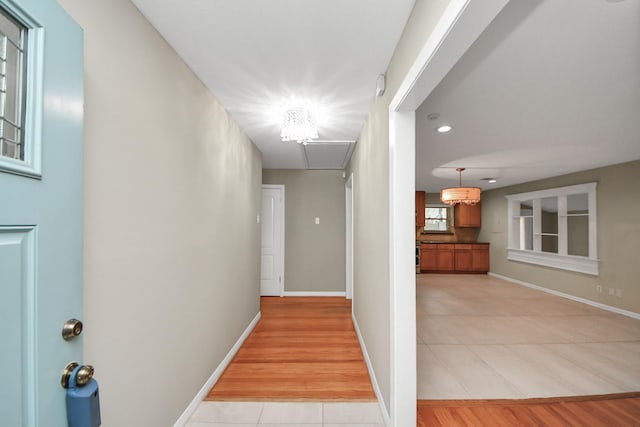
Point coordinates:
[(280, 257), (460, 25), (348, 187)]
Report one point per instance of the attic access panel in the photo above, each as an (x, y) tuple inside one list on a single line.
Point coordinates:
[(328, 154)]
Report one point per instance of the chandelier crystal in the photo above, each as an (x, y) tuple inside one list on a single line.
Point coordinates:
[(298, 124), (460, 195)]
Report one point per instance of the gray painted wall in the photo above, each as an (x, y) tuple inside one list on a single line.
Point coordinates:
[(618, 215), (370, 166), (172, 190), (314, 254)]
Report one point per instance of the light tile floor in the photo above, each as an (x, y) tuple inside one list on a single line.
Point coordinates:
[(480, 337), (274, 414)]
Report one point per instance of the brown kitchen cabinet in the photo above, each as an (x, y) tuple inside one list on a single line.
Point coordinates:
[(480, 258), (454, 258), (467, 215), (462, 258), (421, 198), (428, 257), (437, 257), (471, 258)]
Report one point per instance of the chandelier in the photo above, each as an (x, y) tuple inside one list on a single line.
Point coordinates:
[(298, 124), (460, 195)]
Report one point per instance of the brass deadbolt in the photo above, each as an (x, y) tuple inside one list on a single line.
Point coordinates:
[(71, 329)]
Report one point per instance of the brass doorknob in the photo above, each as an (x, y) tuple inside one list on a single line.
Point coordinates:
[(83, 375), (66, 374)]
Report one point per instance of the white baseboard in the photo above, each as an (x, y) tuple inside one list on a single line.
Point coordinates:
[(184, 418), (569, 296), (372, 375), (313, 294)]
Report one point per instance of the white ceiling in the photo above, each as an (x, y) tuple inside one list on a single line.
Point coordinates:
[(551, 87), (257, 56)]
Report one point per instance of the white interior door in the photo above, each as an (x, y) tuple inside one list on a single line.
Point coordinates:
[(272, 252), (41, 115)]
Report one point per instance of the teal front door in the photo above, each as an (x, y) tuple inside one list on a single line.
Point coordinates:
[(41, 116)]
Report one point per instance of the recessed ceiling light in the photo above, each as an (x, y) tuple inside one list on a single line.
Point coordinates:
[(443, 128)]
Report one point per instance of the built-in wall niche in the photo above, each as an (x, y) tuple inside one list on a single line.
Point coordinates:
[(555, 227)]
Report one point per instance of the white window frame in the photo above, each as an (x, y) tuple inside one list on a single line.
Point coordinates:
[(562, 260), (31, 165), (449, 219)]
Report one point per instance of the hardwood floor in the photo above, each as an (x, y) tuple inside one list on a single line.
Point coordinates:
[(621, 410), (303, 349)]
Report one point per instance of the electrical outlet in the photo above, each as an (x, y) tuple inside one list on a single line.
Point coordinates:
[(317, 220), (599, 289), (619, 293), (612, 291)]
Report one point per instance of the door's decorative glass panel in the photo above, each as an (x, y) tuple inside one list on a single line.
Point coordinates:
[(12, 87)]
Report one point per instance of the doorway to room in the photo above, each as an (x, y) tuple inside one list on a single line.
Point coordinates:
[(459, 26), (272, 246)]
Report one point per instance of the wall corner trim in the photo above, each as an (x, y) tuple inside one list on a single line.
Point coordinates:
[(569, 296), (184, 418), (372, 374)]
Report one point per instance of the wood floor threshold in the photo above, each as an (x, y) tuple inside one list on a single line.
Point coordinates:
[(619, 410), (452, 403)]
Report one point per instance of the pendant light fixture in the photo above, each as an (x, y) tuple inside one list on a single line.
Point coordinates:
[(460, 195), (298, 124)]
